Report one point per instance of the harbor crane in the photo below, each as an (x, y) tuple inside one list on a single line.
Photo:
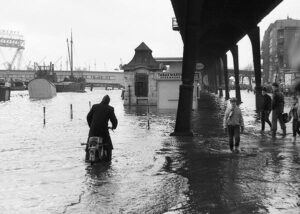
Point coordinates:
[(57, 61), (12, 39)]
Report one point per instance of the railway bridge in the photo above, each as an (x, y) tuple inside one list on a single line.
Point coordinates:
[(242, 74), (95, 78), (209, 29)]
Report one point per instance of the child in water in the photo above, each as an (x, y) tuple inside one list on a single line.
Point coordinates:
[(233, 124)]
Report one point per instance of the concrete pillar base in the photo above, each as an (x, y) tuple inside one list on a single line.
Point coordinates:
[(258, 97), (184, 111), (221, 92)]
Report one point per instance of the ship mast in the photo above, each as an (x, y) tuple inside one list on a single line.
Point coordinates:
[(70, 55)]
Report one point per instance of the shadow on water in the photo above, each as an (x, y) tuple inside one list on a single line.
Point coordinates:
[(259, 179), (207, 120), (211, 175)]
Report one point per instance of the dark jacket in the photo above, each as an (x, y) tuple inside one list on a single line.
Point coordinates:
[(278, 101), (267, 102), (98, 118), (294, 112)]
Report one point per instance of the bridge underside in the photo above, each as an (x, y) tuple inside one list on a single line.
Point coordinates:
[(209, 29)]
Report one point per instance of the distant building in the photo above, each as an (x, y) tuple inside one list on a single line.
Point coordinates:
[(280, 51), (154, 81)]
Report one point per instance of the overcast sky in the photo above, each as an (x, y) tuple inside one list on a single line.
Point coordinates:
[(105, 31)]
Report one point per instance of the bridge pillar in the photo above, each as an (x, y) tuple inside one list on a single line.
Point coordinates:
[(184, 110), (215, 75), (211, 77), (220, 77), (255, 41), (235, 55), (225, 69), (250, 81)]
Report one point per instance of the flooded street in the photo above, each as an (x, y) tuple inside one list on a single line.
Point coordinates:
[(43, 169)]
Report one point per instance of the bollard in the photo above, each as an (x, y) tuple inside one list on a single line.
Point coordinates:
[(71, 111), (44, 110), (90, 104)]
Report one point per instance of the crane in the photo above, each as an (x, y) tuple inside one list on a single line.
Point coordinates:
[(57, 61), (12, 39), (28, 65)]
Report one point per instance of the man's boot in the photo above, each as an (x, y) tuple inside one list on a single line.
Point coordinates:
[(283, 132), (273, 134)]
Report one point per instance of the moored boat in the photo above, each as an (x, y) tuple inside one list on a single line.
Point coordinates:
[(41, 89), (4, 93), (42, 86), (18, 85), (71, 84)]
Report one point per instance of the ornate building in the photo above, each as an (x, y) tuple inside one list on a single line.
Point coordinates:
[(150, 81)]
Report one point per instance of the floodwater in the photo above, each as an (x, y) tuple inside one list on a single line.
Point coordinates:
[(43, 169)]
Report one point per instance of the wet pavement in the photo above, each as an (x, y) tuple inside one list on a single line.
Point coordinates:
[(43, 168)]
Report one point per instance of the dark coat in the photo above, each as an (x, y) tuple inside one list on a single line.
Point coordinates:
[(98, 118), (294, 112), (267, 102), (278, 101)]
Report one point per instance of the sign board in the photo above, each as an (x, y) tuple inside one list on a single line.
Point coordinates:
[(288, 79), (199, 66), (173, 76)]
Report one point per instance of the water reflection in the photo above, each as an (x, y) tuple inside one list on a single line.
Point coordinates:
[(151, 172), (249, 182)]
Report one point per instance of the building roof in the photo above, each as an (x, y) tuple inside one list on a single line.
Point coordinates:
[(168, 59), (143, 47), (284, 23), (143, 59)]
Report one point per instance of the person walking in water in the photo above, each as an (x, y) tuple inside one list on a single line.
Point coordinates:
[(97, 119), (233, 124), (266, 109), (277, 110), (294, 113)]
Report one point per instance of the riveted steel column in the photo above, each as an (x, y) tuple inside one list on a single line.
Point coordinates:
[(255, 41), (220, 71), (235, 55), (185, 103), (225, 69)]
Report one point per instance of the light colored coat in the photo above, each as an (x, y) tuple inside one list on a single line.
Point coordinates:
[(233, 117)]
